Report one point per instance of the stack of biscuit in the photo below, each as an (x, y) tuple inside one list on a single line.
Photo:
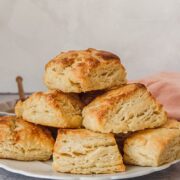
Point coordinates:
[(90, 103)]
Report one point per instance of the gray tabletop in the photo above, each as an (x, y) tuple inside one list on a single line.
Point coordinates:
[(172, 173)]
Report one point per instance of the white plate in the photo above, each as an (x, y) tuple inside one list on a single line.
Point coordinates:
[(44, 170)]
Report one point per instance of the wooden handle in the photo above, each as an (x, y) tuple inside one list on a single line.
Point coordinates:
[(19, 80)]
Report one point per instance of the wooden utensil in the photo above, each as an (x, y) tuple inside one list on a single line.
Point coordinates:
[(19, 81)]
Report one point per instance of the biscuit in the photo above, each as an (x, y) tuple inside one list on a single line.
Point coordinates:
[(84, 70), (53, 108), (21, 140), (81, 151), (153, 147), (125, 109), (172, 124)]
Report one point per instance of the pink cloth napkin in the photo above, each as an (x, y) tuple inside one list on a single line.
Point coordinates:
[(165, 87)]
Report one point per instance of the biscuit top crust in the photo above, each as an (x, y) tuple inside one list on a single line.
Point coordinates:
[(89, 58), (120, 109), (83, 137), (23, 130), (114, 96), (85, 133), (58, 99), (172, 124), (84, 71), (167, 131), (104, 103)]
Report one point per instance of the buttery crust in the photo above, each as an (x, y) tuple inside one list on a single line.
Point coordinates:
[(84, 70), (52, 108), (21, 140), (125, 109), (153, 147), (172, 124), (85, 152)]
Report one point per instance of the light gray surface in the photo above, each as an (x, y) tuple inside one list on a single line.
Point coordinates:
[(8, 97), (172, 173), (145, 34)]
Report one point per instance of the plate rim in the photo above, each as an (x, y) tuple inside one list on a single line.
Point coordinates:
[(84, 177), (87, 177)]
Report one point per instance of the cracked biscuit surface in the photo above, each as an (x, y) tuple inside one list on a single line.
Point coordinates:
[(153, 147), (125, 109), (52, 108), (84, 70), (85, 152), (21, 140)]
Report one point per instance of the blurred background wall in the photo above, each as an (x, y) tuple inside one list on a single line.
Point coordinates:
[(145, 34)]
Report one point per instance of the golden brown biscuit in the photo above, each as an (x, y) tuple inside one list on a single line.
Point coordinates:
[(153, 147), (128, 108), (24, 141), (82, 151), (85, 70), (172, 124), (52, 108)]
